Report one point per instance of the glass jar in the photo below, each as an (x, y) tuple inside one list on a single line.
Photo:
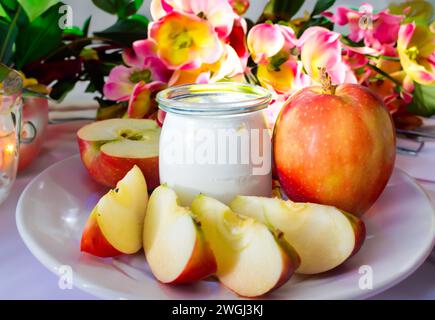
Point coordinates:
[(215, 140)]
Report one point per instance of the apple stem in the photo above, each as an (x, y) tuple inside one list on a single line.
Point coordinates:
[(326, 81)]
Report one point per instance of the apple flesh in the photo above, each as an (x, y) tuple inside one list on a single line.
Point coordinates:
[(115, 225), (323, 236), (174, 244), (335, 148), (251, 259), (110, 148)]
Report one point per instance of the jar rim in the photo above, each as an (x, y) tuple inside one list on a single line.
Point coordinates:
[(196, 99)]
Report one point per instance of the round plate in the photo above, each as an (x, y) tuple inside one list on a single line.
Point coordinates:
[(54, 207)]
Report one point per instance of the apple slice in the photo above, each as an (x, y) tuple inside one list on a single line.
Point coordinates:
[(251, 259), (110, 148), (115, 225), (323, 236), (173, 242), (93, 240)]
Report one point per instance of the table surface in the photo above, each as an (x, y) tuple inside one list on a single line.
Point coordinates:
[(23, 277)]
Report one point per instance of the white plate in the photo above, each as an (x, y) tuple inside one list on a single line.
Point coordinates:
[(54, 207)]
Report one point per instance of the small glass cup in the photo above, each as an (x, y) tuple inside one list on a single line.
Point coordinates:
[(10, 128)]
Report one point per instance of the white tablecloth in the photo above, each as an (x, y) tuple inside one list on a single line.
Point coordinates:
[(23, 277)]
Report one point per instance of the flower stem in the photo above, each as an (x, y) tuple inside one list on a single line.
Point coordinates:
[(386, 75)]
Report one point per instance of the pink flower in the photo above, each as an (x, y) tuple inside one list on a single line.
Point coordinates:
[(218, 13), (321, 48), (377, 29), (185, 41), (265, 40), (144, 74)]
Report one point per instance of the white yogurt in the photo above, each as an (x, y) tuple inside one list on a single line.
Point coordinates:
[(215, 141)]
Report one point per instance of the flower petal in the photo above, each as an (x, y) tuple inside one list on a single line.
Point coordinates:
[(321, 48), (117, 91), (264, 41), (141, 103)]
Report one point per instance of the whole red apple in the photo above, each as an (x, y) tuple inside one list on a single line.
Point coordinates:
[(110, 148), (334, 145)]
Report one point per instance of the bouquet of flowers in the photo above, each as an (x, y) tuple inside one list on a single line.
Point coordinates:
[(200, 41)]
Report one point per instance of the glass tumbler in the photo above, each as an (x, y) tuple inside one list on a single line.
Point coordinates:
[(10, 128)]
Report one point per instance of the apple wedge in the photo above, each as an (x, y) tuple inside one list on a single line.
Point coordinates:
[(93, 240), (110, 148), (174, 244), (116, 223), (323, 236), (251, 259)]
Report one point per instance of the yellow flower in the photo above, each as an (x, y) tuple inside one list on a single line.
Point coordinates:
[(185, 41), (283, 78), (416, 48)]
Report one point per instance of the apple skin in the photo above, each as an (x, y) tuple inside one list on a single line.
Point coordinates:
[(94, 242), (359, 229), (291, 260), (108, 170), (202, 263), (334, 149)]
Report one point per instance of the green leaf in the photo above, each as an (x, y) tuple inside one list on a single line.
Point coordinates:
[(423, 102), (277, 10), (34, 8), (61, 88), (319, 21), (350, 43), (129, 8), (110, 6), (8, 35), (74, 31), (86, 25), (125, 32), (12, 9), (3, 12), (122, 8), (39, 38), (10, 5), (321, 5)]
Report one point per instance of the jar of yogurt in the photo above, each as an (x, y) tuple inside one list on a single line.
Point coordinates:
[(215, 141)]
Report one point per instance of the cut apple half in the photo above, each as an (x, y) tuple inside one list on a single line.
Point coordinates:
[(251, 259), (110, 148), (117, 219), (174, 244), (323, 236)]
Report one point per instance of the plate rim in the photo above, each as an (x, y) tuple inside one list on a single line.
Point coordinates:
[(99, 291)]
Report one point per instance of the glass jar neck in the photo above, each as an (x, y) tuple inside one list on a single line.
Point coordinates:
[(218, 99)]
